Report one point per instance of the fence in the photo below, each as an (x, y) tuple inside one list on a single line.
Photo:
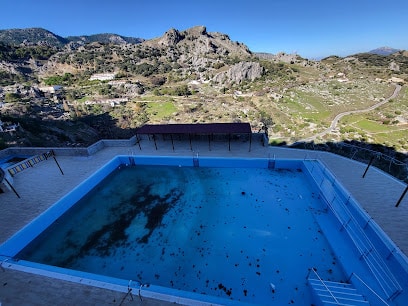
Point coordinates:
[(396, 165), (27, 163)]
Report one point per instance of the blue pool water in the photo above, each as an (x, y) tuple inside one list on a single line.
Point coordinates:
[(228, 231)]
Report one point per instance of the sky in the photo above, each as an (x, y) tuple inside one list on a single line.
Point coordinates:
[(310, 28)]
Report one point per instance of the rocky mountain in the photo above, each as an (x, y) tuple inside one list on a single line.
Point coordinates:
[(31, 36), (39, 36), (198, 41), (39, 54), (106, 38), (384, 51), (61, 88), (396, 61), (190, 52)]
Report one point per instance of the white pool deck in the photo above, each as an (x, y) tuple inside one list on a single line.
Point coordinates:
[(41, 186)]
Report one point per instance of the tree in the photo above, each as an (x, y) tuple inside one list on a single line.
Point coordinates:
[(2, 144), (266, 120), (105, 90), (158, 80), (182, 90), (66, 79)]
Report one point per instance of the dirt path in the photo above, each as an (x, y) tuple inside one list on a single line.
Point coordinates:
[(336, 119)]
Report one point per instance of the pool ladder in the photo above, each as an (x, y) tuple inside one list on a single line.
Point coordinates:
[(196, 162), (334, 293), (272, 162)]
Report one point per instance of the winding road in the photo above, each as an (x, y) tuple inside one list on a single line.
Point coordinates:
[(336, 119)]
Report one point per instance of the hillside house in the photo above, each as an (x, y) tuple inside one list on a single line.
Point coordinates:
[(55, 89), (111, 102), (10, 127), (102, 76)]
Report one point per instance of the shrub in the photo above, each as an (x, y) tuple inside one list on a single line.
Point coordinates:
[(12, 97), (158, 80), (182, 91), (2, 144), (66, 79)]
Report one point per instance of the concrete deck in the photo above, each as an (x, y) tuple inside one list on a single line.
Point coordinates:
[(42, 185)]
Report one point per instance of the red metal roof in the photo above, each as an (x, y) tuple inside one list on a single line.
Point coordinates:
[(196, 128)]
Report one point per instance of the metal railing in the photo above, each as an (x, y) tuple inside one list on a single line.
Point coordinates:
[(380, 299), (337, 201), (324, 285), (396, 165)]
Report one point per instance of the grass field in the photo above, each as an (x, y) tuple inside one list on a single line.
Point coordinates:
[(394, 135), (160, 110)]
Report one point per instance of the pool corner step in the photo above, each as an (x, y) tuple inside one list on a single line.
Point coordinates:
[(335, 293)]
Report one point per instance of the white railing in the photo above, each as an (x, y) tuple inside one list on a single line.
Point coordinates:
[(325, 286), (379, 298)]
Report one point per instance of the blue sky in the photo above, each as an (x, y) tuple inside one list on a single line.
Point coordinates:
[(313, 28)]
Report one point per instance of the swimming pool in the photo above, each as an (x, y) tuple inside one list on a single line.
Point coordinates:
[(252, 235)]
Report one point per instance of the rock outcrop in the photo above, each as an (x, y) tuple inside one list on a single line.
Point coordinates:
[(199, 42), (394, 66), (196, 31), (280, 57), (239, 72), (171, 38)]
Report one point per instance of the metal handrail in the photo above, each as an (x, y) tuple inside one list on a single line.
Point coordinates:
[(379, 270), (387, 157), (357, 149), (369, 288), (373, 259), (383, 275), (376, 267), (323, 283)]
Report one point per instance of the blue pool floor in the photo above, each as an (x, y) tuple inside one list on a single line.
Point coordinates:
[(237, 233)]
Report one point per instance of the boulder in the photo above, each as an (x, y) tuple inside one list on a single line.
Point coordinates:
[(239, 72)]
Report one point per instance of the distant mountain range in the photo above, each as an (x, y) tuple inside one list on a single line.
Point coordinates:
[(31, 36), (106, 38), (384, 51), (39, 36)]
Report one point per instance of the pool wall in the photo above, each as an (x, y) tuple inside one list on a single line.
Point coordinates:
[(326, 186), (38, 225), (120, 285)]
